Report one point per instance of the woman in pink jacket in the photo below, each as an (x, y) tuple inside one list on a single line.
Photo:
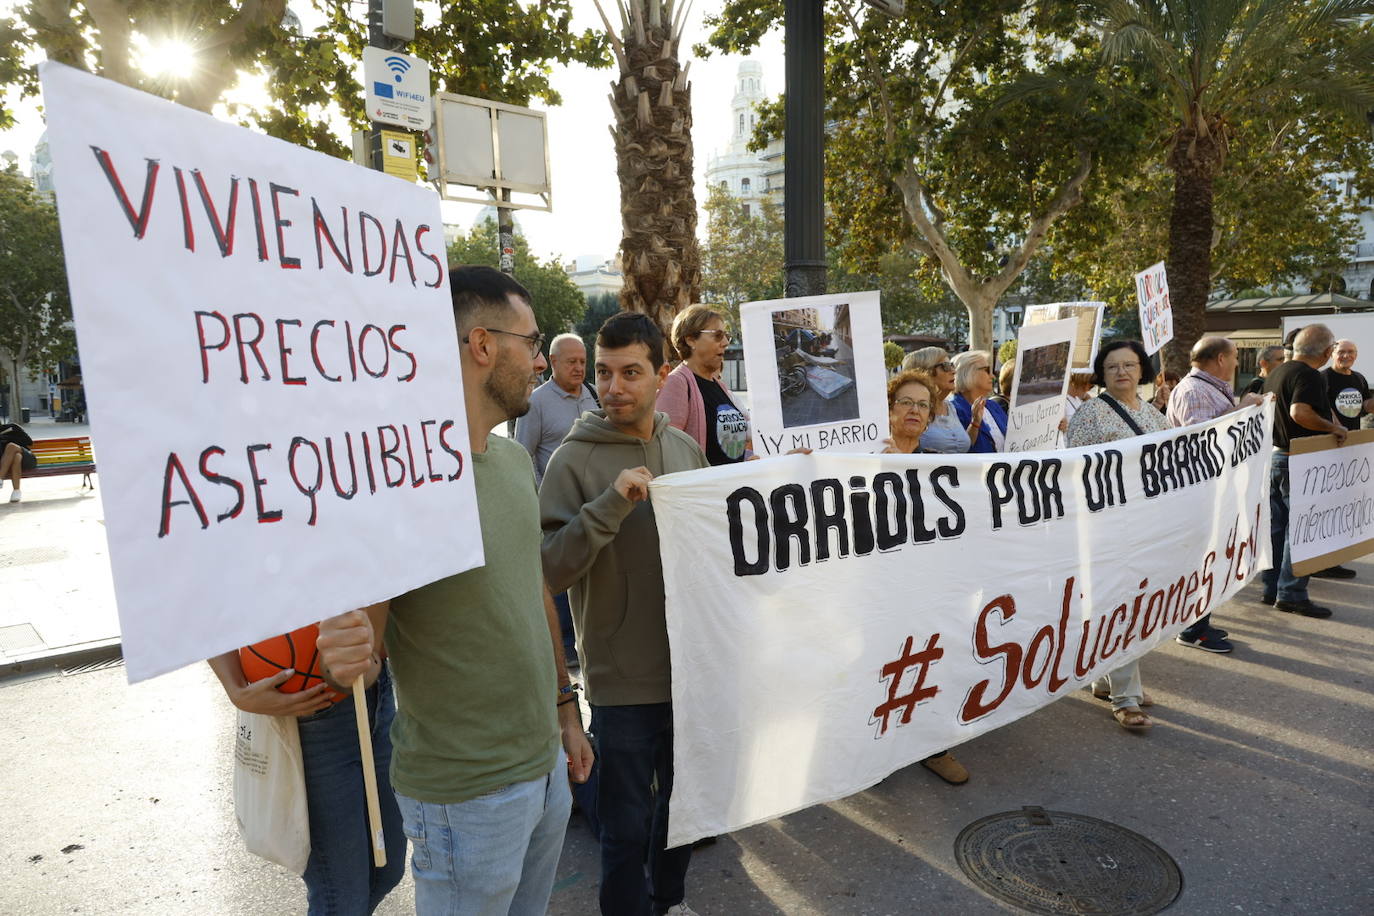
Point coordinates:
[(692, 395)]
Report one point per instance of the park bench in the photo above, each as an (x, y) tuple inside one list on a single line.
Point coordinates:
[(59, 457)]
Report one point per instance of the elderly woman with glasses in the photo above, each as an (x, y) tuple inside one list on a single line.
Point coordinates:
[(692, 395), (944, 434), (910, 400), (983, 419), (1119, 412)]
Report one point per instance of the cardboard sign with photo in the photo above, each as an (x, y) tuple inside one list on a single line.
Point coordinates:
[(816, 373), (1088, 315), (1043, 357)]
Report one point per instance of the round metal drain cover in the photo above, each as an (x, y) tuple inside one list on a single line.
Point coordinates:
[(1056, 862)]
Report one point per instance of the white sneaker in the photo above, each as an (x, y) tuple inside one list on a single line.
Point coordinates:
[(681, 909), (16, 496)]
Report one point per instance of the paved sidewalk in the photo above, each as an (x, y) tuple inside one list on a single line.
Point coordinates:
[(1258, 779), (54, 567)]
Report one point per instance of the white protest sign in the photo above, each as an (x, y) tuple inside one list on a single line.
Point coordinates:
[(843, 616), (816, 373), (269, 354), (1088, 332), (1331, 500), (1356, 327), (1043, 352), (1156, 315)]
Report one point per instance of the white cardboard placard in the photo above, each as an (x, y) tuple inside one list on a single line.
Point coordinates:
[(816, 374), (1087, 335), (271, 365), (1156, 315), (1043, 356)]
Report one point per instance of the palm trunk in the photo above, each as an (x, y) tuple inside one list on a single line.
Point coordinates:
[(1194, 160), (653, 145)]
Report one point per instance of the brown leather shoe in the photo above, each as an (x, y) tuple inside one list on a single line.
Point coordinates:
[(947, 768)]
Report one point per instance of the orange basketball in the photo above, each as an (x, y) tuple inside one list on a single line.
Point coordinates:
[(294, 650)]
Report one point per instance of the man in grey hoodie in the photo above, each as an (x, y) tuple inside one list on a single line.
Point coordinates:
[(601, 542)]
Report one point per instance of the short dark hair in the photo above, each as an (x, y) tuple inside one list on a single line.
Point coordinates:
[(625, 328), (1136, 347), (481, 293)]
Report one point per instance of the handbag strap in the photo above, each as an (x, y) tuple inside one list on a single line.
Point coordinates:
[(1121, 412)]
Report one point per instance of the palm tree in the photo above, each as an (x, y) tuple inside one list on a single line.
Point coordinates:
[(1213, 62), (653, 147)]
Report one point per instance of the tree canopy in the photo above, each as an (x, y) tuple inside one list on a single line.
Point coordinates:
[(557, 302), (35, 307), (485, 48), (741, 259)]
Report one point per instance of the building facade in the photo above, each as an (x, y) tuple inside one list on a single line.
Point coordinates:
[(750, 177)]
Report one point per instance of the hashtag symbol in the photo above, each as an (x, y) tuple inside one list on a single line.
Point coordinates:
[(896, 670)]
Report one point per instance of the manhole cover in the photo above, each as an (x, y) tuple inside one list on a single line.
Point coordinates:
[(19, 636), (1056, 862), (27, 556)]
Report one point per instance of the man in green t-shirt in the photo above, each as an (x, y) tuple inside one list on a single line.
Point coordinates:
[(482, 693)]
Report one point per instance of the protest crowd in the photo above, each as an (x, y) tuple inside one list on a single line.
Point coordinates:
[(467, 751)]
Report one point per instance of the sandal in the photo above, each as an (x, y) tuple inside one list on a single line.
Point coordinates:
[(1145, 698), (1133, 718)]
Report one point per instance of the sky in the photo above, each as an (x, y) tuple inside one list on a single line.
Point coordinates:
[(586, 195)]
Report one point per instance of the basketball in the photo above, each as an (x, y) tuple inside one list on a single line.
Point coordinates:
[(294, 650)]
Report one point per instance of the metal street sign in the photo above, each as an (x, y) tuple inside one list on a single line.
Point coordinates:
[(489, 147), (894, 8), (398, 154), (397, 88)]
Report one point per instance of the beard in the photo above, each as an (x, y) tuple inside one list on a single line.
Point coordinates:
[(508, 387)]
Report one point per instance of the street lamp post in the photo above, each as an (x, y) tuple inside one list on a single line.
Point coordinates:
[(804, 150)]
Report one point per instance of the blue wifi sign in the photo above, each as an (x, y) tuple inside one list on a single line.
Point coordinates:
[(398, 88)]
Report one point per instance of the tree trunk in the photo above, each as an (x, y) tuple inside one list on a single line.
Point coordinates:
[(1194, 159), (653, 147)]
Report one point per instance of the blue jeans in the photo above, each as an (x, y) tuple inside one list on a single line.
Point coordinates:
[(635, 759), (1279, 580), (492, 855), (565, 624), (340, 879)]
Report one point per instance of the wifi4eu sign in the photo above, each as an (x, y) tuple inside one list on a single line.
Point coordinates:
[(397, 88)]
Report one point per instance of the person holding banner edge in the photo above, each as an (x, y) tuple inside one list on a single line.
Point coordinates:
[(1119, 412), (482, 693), (1301, 409), (601, 542), (910, 399)]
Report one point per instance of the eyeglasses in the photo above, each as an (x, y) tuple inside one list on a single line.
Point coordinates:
[(718, 335), (908, 403), (535, 340), (1121, 367), (947, 365)]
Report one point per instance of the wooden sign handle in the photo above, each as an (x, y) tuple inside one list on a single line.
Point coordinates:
[(374, 807)]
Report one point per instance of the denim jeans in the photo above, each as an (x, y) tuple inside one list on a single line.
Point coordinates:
[(340, 879), (635, 747), (492, 855), (565, 624), (1279, 580)]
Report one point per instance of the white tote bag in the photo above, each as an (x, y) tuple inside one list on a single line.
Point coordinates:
[(269, 790)]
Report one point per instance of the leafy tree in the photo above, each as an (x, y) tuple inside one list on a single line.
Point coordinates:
[(487, 48), (599, 308), (1213, 64), (557, 302), (924, 155), (893, 355), (652, 101), (742, 259), (35, 308)]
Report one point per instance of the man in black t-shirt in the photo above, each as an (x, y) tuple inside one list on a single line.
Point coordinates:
[(1301, 409), (1347, 389)]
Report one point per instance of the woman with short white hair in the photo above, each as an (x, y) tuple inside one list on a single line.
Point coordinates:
[(944, 434), (983, 419)]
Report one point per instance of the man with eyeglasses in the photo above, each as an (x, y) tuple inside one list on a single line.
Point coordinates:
[(1302, 409), (601, 543), (482, 693)]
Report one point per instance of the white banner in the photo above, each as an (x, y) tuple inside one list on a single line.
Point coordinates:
[(1043, 353), (816, 375), (835, 618), (1156, 314), (270, 359), (1088, 333), (1331, 500)]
